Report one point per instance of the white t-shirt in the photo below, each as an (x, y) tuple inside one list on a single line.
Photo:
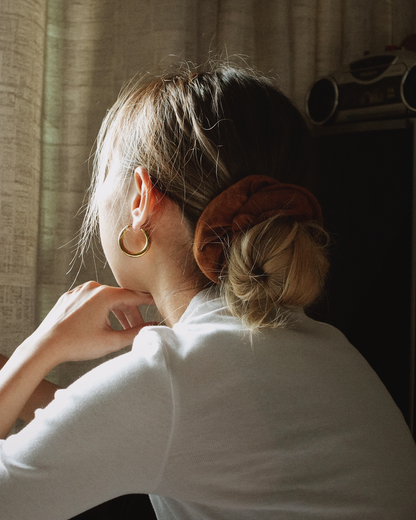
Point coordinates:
[(219, 424)]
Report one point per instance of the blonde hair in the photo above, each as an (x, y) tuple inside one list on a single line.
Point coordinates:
[(275, 267), (197, 132)]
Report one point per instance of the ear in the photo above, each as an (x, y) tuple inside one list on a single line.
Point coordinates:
[(145, 199)]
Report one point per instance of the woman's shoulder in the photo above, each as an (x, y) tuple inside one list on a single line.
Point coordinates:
[(208, 329)]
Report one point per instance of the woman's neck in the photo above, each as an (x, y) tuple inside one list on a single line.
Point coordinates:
[(172, 303)]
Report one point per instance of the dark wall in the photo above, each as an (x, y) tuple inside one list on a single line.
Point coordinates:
[(363, 180)]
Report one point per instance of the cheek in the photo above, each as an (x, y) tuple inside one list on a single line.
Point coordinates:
[(108, 225), (112, 217), (106, 235), (108, 217), (108, 242)]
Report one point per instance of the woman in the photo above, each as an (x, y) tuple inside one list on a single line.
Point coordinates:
[(239, 405)]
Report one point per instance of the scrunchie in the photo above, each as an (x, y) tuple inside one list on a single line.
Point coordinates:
[(250, 201)]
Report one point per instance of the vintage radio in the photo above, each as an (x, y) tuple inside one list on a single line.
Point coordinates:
[(375, 87)]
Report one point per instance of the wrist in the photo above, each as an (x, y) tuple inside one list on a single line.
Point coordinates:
[(39, 353), (19, 378)]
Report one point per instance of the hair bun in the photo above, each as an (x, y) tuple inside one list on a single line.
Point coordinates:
[(276, 266)]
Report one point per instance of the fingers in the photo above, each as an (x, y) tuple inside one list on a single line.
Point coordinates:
[(85, 286), (115, 294), (124, 305), (128, 317), (79, 323), (78, 328), (119, 296), (122, 319), (125, 309)]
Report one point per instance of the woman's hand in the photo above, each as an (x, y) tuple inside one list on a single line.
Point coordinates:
[(77, 328)]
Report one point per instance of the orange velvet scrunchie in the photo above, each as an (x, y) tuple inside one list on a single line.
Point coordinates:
[(250, 201)]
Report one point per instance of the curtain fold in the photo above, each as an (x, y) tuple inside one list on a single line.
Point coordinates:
[(22, 37), (78, 90), (83, 53)]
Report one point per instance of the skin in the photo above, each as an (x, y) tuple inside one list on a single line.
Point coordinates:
[(42, 396), (78, 327)]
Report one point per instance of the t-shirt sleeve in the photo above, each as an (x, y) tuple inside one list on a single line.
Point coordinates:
[(104, 436)]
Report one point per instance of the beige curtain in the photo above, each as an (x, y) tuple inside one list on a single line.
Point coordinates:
[(62, 64)]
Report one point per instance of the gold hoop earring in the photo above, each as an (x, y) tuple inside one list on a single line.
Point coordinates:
[(123, 248)]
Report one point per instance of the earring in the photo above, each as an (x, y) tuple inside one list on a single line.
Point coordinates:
[(123, 248)]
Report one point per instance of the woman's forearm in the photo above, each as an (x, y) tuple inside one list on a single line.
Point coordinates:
[(22, 388), (41, 397), (76, 329)]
